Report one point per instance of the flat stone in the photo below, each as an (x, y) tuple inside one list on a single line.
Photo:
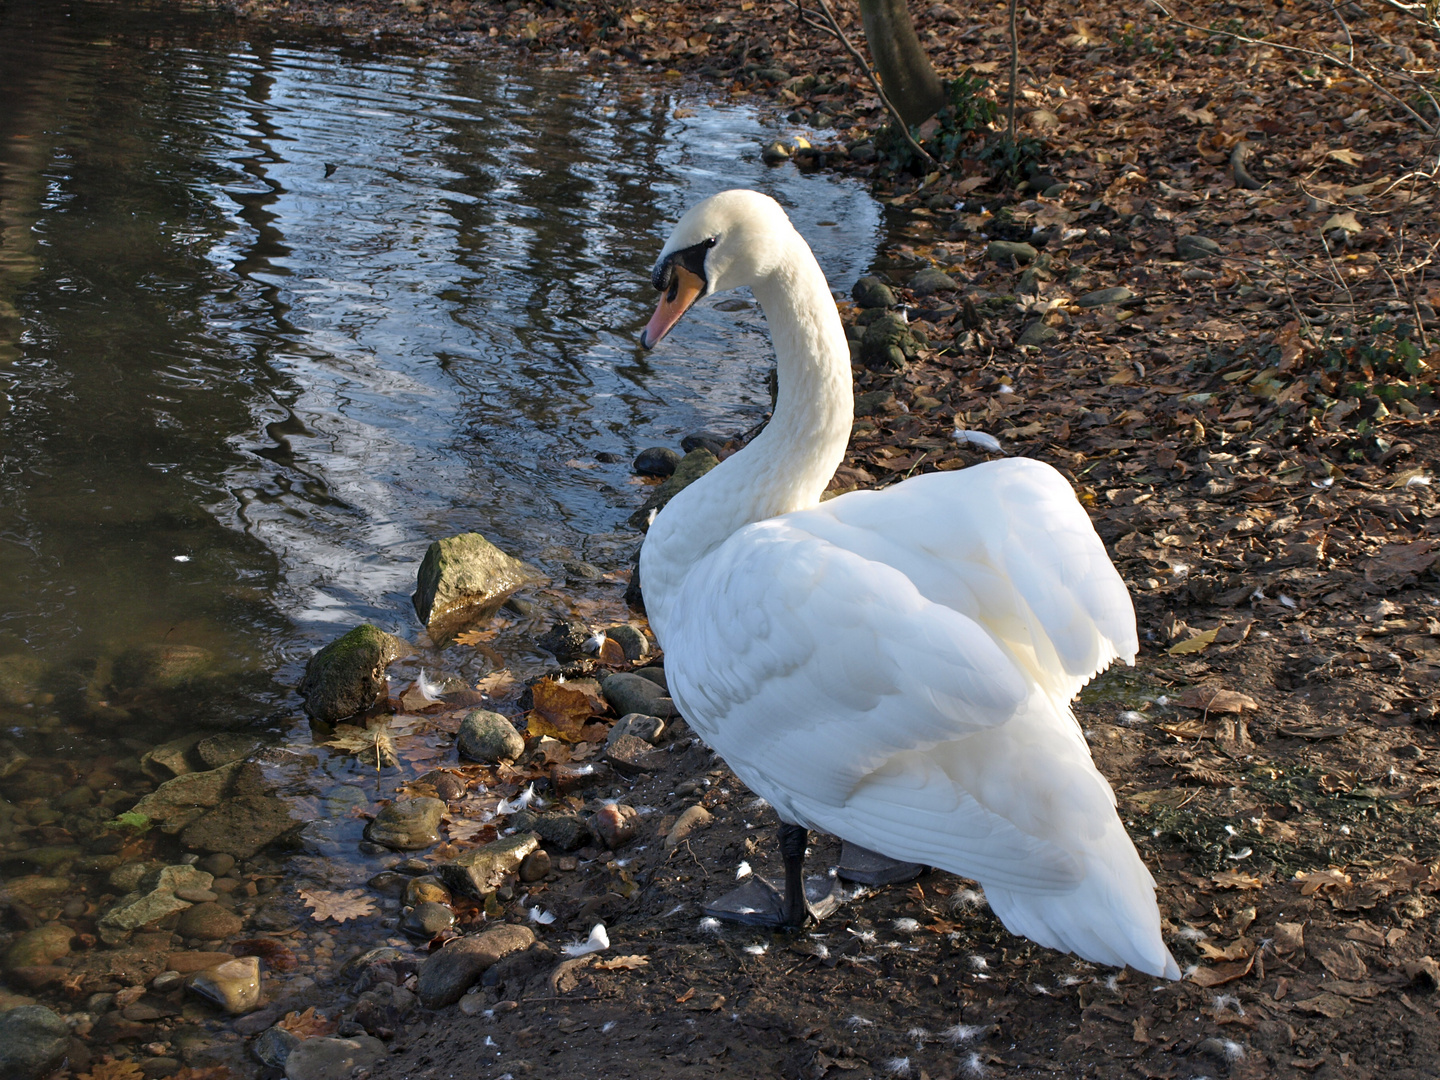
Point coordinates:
[(176, 803), (488, 737), (407, 824), (632, 755), (209, 922), (1037, 333), (932, 280), (695, 464), (1194, 246), (1002, 251), (464, 579), (33, 1041), (563, 829), (627, 693), (197, 895), (871, 292), (42, 945), (332, 1059), (693, 818), (160, 667), (638, 725), (233, 985), (34, 889), (348, 675), (143, 908), (1101, 297), (240, 827), (480, 872), (428, 889), (225, 747), (447, 974), (171, 759), (658, 461)]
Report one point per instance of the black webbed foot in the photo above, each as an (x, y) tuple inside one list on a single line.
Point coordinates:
[(868, 867)]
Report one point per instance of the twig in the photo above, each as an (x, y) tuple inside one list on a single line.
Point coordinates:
[(1014, 68), (1314, 54), (831, 26)]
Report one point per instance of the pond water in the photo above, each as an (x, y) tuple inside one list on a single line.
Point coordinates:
[(275, 317)]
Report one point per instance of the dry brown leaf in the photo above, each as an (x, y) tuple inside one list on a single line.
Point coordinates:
[(367, 744), (622, 963), (497, 684), (340, 906), (1288, 937), (1236, 950), (1219, 974), (1320, 881), (611, 652), (1344, 963), (204, 1072), (1235, 879), (308, 1024), (561, 711)]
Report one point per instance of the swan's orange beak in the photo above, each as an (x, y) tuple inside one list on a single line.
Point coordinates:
[(685, 289)]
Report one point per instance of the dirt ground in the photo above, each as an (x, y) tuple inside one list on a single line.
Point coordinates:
[(1253, 432)]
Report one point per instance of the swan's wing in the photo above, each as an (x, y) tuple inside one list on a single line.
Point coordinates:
[(798, 659), (1007, 544)]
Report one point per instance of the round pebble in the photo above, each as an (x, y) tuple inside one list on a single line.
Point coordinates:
[(536, 866), (424, 921), (233, 985), (209, 922), (658, 461)]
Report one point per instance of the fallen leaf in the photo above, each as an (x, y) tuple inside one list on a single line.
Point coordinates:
[(1235, 879), (368, 744), (1220, 974), (686, 996), (623, 963), (560, 711), (475, 637), (1236, 950), (308, 1024), (1194, 644), (1344, 962), (114, 1070), (1346, 156), (1288, 937), (1332, 1005), (611, 652), (340, 906), (1319, 881), (1345, 221)]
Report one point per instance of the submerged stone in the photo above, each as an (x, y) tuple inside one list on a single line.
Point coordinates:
[(695, 464), (33, 1040), (233, 985), (407, 824), (176, 803)]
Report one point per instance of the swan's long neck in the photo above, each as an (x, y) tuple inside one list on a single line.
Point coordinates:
[(790, 463)]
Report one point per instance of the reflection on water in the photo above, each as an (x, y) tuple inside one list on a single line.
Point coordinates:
[(273, 319)]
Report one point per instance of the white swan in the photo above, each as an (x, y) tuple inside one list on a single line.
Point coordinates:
[(893, 667)]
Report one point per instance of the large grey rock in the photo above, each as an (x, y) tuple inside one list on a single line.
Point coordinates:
[(447, 974), (932, 280), (692, 466), (871, 292), (464, 579), (563, 829), (480, 872), (1037, 333), (649, 728), (226, 747), (1003, 251), (176, 803), (33, 1040), (1101, 297), (348, 675), (888, 343), (242, 826), (407, 824), (171, 759), (631, 639), (630, 693), (209, 922), (1194, 246), (332, 1059), (488, 737)]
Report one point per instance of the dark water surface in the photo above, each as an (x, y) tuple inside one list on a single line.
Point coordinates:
[(275, 317)]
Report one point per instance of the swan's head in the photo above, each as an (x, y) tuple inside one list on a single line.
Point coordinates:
[(729, 240)]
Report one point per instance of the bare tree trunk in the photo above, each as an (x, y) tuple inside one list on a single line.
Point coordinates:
[(904, 69)]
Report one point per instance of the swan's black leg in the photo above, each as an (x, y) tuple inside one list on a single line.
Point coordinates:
[(793, 839)]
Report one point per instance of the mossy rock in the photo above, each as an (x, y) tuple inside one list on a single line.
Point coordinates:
[(692, 466), (464, 579), (888, 344), (348, 675)]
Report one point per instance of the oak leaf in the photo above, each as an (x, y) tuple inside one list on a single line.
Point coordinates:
[(622, 963), (114, 1070), (1194, 644), (308, 1024), (340, 906)]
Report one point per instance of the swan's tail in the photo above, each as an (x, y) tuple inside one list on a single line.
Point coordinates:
[(1110, 917)]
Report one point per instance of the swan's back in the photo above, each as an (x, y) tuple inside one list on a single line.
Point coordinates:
[(895, 667)]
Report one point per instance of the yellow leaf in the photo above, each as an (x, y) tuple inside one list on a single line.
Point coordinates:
[(1347, 156), (611, 652), (1234, 879), (1194, 644), (474, 637), (1344, 221), (308, 1024)]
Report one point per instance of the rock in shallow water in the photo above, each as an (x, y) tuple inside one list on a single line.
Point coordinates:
[(140, 909), (424, 921), (695, 464), (656, 461), (33, 1040), (348, 675), (463, 579), (332, 1059), (233, 985), (209, 922), (42, 945), (407, 824)]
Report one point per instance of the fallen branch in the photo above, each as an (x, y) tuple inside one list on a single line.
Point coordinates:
[(831, 26)]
